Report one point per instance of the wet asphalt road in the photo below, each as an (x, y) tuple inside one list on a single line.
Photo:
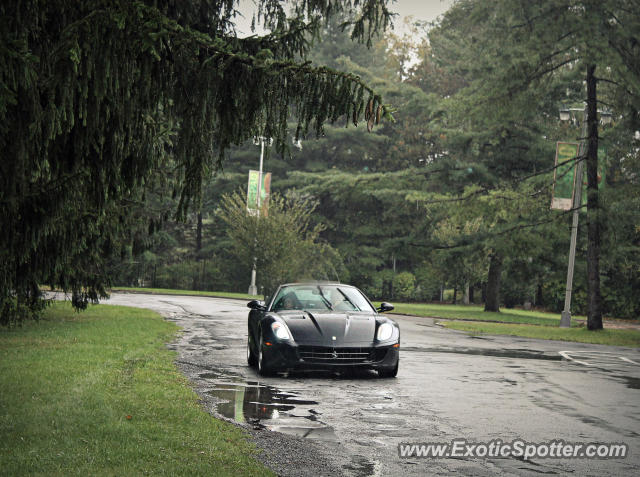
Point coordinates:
[(450, 385)]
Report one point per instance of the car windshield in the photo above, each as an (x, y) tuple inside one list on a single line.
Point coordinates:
[(321, 297)]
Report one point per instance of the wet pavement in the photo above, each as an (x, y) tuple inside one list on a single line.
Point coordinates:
[(450, 385)]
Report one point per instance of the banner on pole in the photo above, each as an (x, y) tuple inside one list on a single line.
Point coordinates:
[(252, 192), (564, 175)]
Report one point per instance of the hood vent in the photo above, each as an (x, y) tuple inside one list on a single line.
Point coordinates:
[(294, 317)]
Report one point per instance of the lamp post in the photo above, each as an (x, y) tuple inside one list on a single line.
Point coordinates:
[(565, 115), (258, 140)]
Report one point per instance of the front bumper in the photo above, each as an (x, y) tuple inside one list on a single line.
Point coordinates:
[(281, 355)]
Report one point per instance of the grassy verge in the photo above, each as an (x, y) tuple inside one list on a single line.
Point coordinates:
[(164, 291), (580, 335), (472, 312), (528, 324), (97, 393)]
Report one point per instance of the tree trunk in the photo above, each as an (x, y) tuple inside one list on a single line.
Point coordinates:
[(199, 236), (154, 283), (538, 301), (455, 294), (471, 293), (465, 296), (492, 302), (196, 278), (594, 299)]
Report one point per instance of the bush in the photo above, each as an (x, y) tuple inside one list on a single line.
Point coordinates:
[(371, 286), (553, 293), (404, 284), (427, 284)]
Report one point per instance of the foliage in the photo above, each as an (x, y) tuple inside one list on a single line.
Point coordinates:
[(462, 175), (404, 285), (281, 244), (518, 59), (96, 95)]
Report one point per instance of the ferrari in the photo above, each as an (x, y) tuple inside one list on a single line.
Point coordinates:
[(321, 326)]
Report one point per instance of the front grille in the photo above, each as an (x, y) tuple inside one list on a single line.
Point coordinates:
[(329, 355)]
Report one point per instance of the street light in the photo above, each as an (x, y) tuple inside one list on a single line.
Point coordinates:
[(566, 115), (605, 117), (258, 140)]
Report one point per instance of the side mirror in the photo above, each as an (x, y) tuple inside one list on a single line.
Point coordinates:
[(256, 305), (384, 306)]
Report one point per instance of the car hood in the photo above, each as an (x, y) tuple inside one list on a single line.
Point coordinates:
[(330, 328)]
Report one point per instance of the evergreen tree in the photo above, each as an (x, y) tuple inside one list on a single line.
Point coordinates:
[(282, 243), (94, 94), (513, 55)]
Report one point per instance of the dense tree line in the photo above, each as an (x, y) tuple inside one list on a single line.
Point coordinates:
[(455, 192)]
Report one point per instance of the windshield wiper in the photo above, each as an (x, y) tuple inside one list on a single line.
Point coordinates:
[(355, 307), (324, 299)]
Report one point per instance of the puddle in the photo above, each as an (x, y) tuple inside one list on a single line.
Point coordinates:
[(498, 353), (632, 383), (360, 466), (266, 407)]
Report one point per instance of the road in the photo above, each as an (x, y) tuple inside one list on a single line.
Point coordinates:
[(450, 385)]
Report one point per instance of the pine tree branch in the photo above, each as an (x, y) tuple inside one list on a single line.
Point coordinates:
[(481, 237), (562, 8), (515, 181)]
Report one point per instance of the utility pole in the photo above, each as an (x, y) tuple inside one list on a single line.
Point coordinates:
[(605, 118), (565, 317), (253, 290)]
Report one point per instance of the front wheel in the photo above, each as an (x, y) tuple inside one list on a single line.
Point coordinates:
[(251, 356), (263, 368)]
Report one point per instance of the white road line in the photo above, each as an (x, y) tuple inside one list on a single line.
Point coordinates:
[(565, 355), (593, 352), (628, 360)]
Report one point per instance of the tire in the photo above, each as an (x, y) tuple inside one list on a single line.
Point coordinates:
[(251, 356), (263, 368), (389, 373)]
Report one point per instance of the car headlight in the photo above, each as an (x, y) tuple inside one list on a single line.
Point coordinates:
[(280, 331), (385, 331)]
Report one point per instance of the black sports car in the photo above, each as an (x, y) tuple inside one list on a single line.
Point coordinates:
[(326, 326)]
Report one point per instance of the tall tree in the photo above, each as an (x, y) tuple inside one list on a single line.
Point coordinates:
[(93, 94), (509, 49), (282, 244)]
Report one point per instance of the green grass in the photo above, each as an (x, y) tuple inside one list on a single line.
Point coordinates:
[(166, 291), (580, 335), (97, 393), (528, 324), (473, 312)]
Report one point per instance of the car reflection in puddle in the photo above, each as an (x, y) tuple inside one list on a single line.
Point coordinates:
[(267, 407)]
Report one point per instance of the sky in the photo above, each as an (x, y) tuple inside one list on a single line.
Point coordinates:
[(427, 10)]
